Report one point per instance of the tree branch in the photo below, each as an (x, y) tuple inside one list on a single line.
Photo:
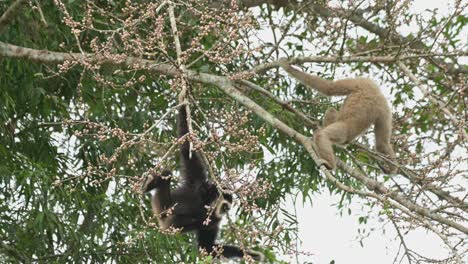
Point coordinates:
[(45, 56), (183, 93), (347, 59), (358, 19), (380, 188)]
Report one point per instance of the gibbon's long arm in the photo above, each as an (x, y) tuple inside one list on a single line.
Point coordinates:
[(327, 87), (206, 240), (192, 168), (162, 200)]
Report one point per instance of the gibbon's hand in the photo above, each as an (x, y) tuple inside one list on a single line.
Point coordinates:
[(154, 180)]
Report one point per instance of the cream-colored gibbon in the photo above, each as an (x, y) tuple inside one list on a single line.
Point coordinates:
[(364, 106), (188, 206)]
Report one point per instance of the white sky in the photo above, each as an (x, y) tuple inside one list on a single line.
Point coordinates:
[(329, 236)]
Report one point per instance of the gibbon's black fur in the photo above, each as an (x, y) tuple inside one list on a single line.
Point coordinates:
[(186, 207)]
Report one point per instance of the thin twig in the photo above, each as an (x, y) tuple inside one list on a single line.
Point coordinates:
[(402, 239)]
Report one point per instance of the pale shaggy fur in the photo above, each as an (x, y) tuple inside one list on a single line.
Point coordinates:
[(364, 106)]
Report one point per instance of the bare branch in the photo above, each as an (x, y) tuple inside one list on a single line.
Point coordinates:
[(183, 93), (347, 59), (45, 56)]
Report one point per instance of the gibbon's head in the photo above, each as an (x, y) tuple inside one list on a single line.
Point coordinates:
[(223, 205)]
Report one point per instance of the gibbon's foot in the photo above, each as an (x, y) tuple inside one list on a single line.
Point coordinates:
[(325, 163), (256, 255)]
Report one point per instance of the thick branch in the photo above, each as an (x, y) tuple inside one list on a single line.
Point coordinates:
[(175, 32), (45, 56), (251, 3), (284, 104)]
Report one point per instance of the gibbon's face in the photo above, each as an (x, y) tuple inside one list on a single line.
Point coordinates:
[(224, 206)]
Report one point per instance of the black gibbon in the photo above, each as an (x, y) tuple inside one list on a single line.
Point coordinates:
[(364, 106), (187, 206)]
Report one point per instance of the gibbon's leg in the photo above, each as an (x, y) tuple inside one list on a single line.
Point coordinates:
[(162, 202), (383, 132), (330, 117), (335, 133), (207, 237)]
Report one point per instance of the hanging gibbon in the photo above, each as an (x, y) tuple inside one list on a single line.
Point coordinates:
[(364, 106), (187, 206)]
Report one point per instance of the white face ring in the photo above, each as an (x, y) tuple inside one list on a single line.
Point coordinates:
[(260, 256), (219, 208)]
